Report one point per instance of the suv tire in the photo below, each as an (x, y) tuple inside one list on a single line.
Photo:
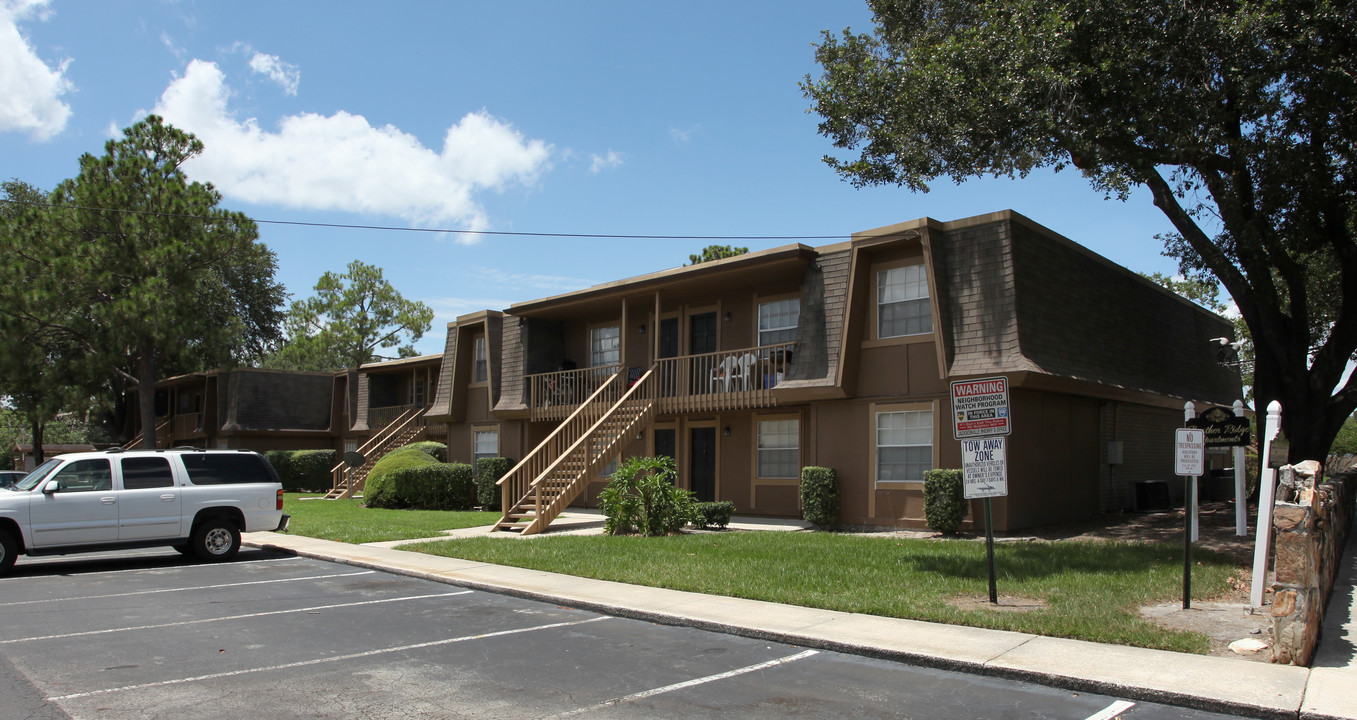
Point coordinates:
[(215, 540), (9, 551)]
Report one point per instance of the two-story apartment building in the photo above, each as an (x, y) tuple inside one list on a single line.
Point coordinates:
[(748, 368)]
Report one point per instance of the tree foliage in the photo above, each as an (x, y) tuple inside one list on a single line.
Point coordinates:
[(1236, 116), (134, 272), (352, 315), (716, 252)]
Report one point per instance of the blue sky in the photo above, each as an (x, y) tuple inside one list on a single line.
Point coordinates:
[(629, 118)]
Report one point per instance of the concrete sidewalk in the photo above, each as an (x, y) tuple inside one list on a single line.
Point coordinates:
[(1329, 690)]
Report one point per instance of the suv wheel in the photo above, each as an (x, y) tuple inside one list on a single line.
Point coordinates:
[(9, 551), (216, 540)]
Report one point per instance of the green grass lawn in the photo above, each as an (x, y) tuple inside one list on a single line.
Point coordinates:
[(348, 521), (1092, 591)]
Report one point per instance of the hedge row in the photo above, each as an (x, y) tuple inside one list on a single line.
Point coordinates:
[(437, 486), (303, 470)]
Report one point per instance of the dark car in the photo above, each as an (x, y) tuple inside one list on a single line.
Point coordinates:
[(9, 477)]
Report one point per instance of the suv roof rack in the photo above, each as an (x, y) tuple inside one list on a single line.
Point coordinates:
[(115, 449)]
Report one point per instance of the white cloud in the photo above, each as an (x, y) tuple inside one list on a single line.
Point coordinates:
[(448, 309), (285, 74), (170, 45), (340, 162), (511, 280), (683, 136), (605, 162), (30, 91)]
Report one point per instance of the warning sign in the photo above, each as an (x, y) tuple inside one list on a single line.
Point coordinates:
[(980, 408), (1189, 452), (984, 468)]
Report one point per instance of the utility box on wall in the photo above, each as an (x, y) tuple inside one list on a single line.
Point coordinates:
[(1115, 454)]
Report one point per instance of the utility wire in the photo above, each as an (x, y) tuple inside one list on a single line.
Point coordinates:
[(396, 228)]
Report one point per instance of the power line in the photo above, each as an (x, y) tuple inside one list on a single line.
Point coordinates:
[(397, 228)]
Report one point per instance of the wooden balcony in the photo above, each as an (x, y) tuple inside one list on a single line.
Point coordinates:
[(380, 417), (725, 380)]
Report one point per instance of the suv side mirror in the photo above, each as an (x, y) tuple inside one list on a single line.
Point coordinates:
[(51, 486)]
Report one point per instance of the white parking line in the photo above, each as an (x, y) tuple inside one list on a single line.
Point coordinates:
[(313, 608), (1113, 710), (688, 684), (319, 661), (200, 587)]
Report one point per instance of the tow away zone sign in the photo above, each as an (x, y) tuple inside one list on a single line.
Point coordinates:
[(984, 468), (980, 408)]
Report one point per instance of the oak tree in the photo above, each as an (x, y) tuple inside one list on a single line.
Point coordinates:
[(1235, 115)]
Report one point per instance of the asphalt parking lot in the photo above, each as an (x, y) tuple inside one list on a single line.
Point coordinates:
[(148, 634)]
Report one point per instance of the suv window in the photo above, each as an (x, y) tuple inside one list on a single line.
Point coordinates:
[(85, 476), (227, 468), (140, 473)]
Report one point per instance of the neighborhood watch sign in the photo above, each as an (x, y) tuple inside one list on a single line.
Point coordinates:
[(980, 408)]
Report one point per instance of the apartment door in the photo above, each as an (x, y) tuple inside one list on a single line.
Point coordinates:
[(702, 468), (666, 443), (669, 347), (701, 339)]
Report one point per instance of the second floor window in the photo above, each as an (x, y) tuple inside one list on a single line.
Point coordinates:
[(777, 321), (902, 302), (605, 346), (482, 370)]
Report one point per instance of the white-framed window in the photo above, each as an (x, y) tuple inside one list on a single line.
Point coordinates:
[(904, 444), (902, 306), (777, 321), (605, 346), (481, 371), (484, 443), (779, 451)]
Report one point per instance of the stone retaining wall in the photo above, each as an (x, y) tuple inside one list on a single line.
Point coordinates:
[(1311, 520)]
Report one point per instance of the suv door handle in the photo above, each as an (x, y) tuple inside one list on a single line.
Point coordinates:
[(108, 500), (167, 497)]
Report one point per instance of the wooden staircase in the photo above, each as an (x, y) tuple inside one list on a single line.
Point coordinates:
[(544, 483), (347, 481)]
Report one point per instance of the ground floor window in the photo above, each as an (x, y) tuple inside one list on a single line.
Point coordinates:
[(484, 443), (779, 448), (904, 443)]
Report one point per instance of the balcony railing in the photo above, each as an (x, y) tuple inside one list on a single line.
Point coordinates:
[(724, 380)]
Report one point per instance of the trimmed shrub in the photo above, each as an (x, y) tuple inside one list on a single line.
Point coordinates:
[(437, 450), (642, 498), (820, 496), (378, 491), (712, 514), (440, 486), (944, 500), (488, 472), (303, 470)]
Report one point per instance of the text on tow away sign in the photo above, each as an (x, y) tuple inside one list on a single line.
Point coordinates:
[(1189, 452), (984, 469), (980, 408)]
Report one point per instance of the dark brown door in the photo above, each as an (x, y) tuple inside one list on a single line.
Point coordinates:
[(666, 441), (701, 339), (702, 470), (669, 347)]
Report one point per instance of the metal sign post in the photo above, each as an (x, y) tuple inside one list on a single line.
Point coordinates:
[(980, 409), (1189, 461), (984, 472)]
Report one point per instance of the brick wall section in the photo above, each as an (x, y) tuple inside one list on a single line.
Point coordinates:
[(1146, 435), (443, 396), (1312, 521), (1080, 316)]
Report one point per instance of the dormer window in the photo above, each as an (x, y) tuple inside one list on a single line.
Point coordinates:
[(902, 306), (777, 321)]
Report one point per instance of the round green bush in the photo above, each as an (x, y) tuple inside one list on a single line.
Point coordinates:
[(944, 500), (820, 496), (378, 491), (437, 450)]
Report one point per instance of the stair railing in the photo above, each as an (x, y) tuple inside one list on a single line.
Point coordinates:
[(341, 473), (517, 483)]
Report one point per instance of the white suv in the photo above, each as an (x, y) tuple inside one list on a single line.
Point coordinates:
[(196, 501)]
